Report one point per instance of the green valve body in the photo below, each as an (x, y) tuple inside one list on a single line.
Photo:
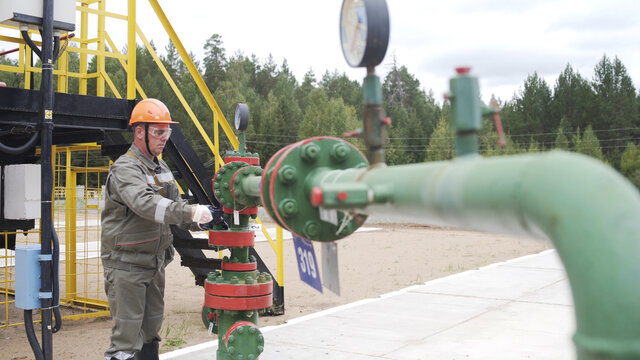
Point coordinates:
[(235, 295), (466, 108), (466, 112), (294, 171)]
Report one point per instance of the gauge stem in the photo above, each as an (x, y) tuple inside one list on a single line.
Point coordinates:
[(375, 130)]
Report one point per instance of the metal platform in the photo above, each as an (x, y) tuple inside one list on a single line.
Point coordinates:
[(519, 309)]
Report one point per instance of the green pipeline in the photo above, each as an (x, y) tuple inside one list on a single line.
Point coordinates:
[(588, 210)]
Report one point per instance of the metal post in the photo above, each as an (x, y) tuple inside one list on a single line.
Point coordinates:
[(131, 50), (101, 47), (46, 226), (84, 46)]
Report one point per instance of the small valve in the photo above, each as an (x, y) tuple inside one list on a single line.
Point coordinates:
[(498, 123), (352, 134)]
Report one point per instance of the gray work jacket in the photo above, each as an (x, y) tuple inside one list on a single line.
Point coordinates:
[(141, 201)]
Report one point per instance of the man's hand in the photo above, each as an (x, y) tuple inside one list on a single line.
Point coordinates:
[(217, 219), (201, 214)]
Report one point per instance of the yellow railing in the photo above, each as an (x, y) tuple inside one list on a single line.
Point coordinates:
[(96, 47)]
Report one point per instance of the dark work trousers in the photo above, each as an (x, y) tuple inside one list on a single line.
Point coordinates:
[(136, 300)]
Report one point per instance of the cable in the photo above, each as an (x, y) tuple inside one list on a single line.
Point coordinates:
[(32, 45), (31, 335), (56, 280), (20, 149)]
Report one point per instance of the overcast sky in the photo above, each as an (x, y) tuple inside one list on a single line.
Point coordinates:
[(502, 40)]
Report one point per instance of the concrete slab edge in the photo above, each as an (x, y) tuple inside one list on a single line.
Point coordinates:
[(212, 345)]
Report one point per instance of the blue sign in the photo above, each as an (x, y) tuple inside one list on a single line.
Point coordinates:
[(307, 264)]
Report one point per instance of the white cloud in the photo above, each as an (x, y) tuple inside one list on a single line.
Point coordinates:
[(502, 40)]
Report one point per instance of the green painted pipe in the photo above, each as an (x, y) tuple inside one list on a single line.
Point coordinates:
[(589, 211)]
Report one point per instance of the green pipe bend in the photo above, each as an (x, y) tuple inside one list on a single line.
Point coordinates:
[(589, 211)]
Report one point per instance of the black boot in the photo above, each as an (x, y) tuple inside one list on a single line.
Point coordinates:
[(148, 352)]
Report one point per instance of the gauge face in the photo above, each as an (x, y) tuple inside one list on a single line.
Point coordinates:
[(364, 31), (242, 116), (353, 31)]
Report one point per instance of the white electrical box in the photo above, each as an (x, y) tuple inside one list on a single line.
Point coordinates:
[(22, 191), (29, 12)]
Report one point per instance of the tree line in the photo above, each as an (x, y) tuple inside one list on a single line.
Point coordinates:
[(597, 116)]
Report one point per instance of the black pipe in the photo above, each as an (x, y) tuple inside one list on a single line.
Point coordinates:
[(31, 335), (46, 130), (56, 47), (56, 281), (22, 148), (32, 45)]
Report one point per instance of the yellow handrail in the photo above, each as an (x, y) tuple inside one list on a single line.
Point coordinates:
[(195, 73), (177, 91), (124, 65)]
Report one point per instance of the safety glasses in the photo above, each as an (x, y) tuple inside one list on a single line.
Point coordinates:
[(160, 133)]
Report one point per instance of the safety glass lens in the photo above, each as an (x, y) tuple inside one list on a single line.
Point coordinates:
[(160, 133)]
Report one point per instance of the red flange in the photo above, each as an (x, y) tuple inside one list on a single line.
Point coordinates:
[(234, 327), (238, 290), (239, 266), (272, 180), (264, 181), (245, 159), (248, 211), (231, 238), (238, 303)]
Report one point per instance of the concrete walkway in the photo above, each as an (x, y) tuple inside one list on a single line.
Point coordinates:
[(519, 309)]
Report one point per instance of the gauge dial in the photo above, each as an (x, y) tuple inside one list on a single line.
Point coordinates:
[(364, 31), (242, 116)]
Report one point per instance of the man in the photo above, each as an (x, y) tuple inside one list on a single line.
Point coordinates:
[(141, 201)]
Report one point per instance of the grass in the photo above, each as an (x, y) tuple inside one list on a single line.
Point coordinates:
[(174, 336)]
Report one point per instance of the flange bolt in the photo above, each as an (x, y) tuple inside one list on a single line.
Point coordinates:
[(309, 152), (287, 175), (311, 229), (339, 152), (288, 207)]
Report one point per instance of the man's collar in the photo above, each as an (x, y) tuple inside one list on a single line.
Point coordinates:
[(145, 160)]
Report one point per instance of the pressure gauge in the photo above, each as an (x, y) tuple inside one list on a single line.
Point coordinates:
[(242, 117), (364, 31)]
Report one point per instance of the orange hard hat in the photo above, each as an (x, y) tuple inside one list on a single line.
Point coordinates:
[(151, 111)]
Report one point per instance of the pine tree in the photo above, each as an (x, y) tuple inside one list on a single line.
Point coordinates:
[(573, 99), (534, 147), (529, 111), (589, 144), (214, 62), (616, 103), (561, 142), (630, 163), (441, 142)]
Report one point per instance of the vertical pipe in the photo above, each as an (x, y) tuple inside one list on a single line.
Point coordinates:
[(216, 141), (28, 76), (101, 48), (280, 255), (70, 239), (375, 133), (84, 29), (131, 51), (21, 56), (63, 78), (46, 116)]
